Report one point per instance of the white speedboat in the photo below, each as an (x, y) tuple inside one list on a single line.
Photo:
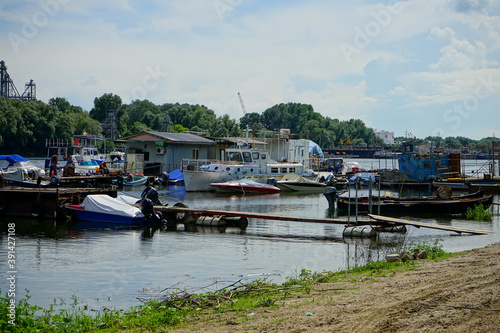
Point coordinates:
[(14, 162)]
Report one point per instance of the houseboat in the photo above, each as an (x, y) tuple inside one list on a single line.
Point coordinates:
[(238, 163)]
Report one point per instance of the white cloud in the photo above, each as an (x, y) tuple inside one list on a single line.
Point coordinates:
[(445, 33), (427, 54)]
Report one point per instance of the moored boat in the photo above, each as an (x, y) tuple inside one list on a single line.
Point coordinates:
[(245, 186), (418, 206), (135, 180), (14, 162), (22, 178), (103, 208), (81, 151), (299, 183), (239, 163)]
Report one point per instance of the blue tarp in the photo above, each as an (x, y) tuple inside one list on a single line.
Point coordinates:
[(176, 174), (315, 149), (12, 158), (363, 177)]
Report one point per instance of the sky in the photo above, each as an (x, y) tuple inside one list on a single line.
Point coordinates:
[(416, 68)]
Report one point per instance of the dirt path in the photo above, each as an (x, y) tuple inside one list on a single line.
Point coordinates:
[(460, 294)]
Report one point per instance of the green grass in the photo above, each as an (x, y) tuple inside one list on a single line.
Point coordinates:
[(479, 213), (170, 311)]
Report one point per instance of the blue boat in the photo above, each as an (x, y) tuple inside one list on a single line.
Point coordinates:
[(103, 208), (420, 164)]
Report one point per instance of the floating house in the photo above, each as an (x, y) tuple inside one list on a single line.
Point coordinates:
[(152, 153)]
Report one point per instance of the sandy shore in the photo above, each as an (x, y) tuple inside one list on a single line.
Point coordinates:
[(460, 294)]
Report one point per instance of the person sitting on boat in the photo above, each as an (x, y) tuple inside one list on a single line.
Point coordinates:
[(53, 164), (104, 168), (130, 177)]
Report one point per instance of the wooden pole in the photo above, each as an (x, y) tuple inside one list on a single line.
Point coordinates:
[(493, 159)]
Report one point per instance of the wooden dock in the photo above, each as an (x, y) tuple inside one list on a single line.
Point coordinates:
[(185, 214), (43, 202), (392, 220)]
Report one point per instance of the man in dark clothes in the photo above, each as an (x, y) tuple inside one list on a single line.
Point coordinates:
[(53, 165)]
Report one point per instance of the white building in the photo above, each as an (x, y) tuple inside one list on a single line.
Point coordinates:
[(386, 137)]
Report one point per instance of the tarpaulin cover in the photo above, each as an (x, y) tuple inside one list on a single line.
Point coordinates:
[(363, 176), (176, 174), (12, 158), (315, 149), (102, 203)]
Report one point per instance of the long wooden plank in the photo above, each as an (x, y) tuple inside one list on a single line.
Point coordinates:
[(428, 225), (170, 209), (384, 219)]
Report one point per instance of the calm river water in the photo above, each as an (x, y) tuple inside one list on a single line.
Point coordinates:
[(113, 266)]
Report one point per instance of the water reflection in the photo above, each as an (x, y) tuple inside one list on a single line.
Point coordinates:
[(111, 265)]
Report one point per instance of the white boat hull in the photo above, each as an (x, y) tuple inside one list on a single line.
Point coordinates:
[(301, 187)]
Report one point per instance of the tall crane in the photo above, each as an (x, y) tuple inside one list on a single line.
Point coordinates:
[(245, 115)]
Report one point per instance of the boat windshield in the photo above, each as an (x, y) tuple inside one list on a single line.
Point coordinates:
[(234, 156), (247, 157)]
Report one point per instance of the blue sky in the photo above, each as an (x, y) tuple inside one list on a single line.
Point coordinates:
[(420, 67)]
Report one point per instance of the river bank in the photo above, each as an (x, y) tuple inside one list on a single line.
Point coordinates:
[(459, 294)]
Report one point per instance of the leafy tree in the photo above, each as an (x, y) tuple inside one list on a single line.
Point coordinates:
[(103, 104)]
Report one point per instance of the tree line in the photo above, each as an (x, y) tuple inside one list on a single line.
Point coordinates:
[(25, 125)]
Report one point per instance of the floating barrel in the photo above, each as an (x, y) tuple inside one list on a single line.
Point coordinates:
[(236, 221), (210, 221), (359, 232)]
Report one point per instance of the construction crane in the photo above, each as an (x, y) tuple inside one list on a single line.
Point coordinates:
[(245, 115)]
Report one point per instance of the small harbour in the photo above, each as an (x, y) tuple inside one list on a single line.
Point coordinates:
[(111, 267)]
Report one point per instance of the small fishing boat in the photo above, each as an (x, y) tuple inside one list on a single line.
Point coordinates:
[(417, 206), (299, 183), (136, 180), (131, 180), (21, 178), (245, 186), (103, 208)]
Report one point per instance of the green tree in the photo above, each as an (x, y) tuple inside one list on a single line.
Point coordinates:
[(103, 104)]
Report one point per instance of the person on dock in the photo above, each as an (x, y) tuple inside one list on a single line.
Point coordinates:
[(53, 164), (104, 168)]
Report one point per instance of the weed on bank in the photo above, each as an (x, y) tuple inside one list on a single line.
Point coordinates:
[(171, 311)]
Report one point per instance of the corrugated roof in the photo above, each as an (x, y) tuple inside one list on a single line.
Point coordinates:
[(241, 140), (172, 137)]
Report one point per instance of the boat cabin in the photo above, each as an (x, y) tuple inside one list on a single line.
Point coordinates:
[(421, 162), (84, 145), (250, 161)]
